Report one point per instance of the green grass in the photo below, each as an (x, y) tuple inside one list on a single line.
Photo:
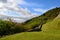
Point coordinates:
[(33, 36), (53, 26)]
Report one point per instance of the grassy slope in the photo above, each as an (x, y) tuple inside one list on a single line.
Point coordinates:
[(33, 36), (53, 26)]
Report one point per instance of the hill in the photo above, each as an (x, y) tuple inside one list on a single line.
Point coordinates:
[(53, 26), (44, 18)]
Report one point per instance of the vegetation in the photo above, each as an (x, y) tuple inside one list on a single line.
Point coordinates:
[(9, 27), (53, 26)]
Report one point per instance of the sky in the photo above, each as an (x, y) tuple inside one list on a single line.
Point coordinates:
[(26, 9)]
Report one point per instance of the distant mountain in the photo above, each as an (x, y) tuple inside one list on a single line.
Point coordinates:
[(38, 22)]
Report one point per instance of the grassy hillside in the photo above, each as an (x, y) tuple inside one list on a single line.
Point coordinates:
[(44, 18), (33, 36), (53, 26)]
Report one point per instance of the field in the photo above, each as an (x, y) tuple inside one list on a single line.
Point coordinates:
[(33, 36)]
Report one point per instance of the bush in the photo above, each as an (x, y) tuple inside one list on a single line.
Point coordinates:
[(9, 27)]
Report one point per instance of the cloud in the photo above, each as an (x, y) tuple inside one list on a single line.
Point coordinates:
[(40, 10), (12, 6), (3, 1), (16, 2), (21, 2)]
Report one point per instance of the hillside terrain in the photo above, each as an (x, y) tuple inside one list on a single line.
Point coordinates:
[(48, 25), (44, 18), (53, 26)]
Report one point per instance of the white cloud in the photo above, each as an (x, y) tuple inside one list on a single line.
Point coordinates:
[(21, 2), (1, 4), (17, 1), (12, 5), (40, 10)]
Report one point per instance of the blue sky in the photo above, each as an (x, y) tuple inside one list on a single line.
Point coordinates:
[(41, 4), (45, 3), (26, 8)]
